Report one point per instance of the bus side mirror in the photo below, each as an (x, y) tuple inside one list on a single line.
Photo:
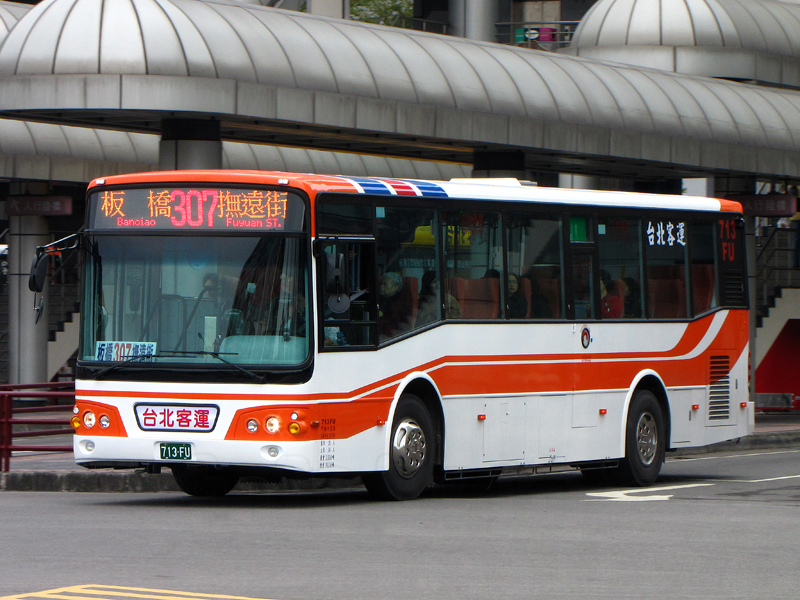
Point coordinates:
[(36, 279)]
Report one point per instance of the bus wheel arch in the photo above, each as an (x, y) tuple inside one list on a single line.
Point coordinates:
[(411, 447), (414, 441), (424, 388), (651, 382), (645, 433)]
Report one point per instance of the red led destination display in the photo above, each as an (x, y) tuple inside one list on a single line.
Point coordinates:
[(195, 209)]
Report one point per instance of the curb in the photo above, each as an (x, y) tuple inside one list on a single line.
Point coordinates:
[(760, 441), (131, 482)]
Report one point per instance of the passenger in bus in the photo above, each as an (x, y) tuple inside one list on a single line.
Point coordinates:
[(610, 301), (429, 310), (633, 299), (394, 316), (540, 305), (517, 303)]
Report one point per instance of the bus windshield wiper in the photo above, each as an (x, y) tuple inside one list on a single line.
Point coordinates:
[(254, 376), (117, 365)]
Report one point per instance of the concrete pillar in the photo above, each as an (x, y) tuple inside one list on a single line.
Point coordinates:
[(480, 19), (456, 11), (189, 144), (723, 187), (579, 182), (339, 9), (27, 341), (473, 19)]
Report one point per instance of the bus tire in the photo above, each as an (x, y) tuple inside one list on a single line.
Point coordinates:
[(412, 448), (645, 441), (204, 480)]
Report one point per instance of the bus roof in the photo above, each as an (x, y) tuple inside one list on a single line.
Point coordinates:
[(500, 189)]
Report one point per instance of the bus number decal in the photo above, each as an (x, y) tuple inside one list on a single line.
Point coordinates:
[(727, 233)]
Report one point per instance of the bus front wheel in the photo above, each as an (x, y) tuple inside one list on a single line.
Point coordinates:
[(411, 454), (645, 441), (204, 480)]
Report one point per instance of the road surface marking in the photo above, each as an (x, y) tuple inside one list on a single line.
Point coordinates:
[(681, 459), (625, 495), (93, 592)]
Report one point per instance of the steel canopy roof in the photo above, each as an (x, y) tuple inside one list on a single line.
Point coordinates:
[(289, 78), (736, 39)]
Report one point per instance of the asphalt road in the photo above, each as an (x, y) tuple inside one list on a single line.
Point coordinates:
[(713, 526)]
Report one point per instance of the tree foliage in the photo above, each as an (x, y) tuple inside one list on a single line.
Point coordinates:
[(384, 12)]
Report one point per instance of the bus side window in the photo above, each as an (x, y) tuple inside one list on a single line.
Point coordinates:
[(534, 257), (665, 240), (407, 255), (474, 265), (619, 255), (703, 269)]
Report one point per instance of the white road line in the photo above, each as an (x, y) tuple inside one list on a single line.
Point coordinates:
[(682, 460), (623, 495)]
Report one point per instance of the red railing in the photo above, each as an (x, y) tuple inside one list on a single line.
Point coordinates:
[(51, 392)]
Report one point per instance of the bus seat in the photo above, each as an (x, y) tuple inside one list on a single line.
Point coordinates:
[(481, 298), (455, 287), (550, 288), (703, 286), (664, 299)]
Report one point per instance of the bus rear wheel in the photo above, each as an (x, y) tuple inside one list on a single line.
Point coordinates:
[(645, 441), (412, 448), (204, 480)]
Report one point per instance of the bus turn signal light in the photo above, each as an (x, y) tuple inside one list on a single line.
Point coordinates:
[(75, 422), (294, 428)]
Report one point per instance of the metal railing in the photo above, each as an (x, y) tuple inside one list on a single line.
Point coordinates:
[(540, 35), (404, 22), (774, 267), (50, 392)]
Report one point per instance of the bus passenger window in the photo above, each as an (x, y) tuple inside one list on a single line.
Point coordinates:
[(474, 264), (582, 284), (534, 259), (704, 293), (665, 254), (407, 258), (619, 253)]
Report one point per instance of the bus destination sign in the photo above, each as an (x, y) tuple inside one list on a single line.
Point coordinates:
[(196, 209)]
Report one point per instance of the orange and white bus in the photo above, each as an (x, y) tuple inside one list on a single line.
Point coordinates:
[(276, 324)]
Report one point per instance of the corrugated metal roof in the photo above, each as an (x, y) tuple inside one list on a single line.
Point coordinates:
[(251, 64), (31, 150), (740, 39)]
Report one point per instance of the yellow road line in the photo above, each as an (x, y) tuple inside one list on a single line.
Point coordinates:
[(91, 592)]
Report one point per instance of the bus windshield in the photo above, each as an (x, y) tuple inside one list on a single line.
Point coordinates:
[(191, 300)]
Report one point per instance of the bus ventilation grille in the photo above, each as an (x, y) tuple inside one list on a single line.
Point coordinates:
[(719, 396), (733, 287)]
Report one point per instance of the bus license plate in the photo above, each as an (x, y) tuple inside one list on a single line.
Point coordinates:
[(176, 451)]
